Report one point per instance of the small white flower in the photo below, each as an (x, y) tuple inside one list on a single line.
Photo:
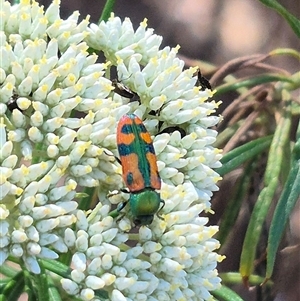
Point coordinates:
[(58, 119)]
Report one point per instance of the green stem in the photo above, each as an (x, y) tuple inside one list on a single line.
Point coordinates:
[(231, 278)]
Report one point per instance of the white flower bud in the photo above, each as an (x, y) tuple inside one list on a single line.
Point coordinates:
[(79, 261), (48, 254), (70, 286), (122, 283), (94, 282), (78, 276), (32, 264), (18, 236), (117, 296), (87, 294), (94, 266), (35, 135), (47, 225), (16, 250)]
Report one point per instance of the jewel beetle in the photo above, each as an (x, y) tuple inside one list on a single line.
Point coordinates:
[(139, 169)]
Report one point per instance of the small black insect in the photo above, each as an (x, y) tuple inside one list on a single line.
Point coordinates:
[(12, 103), (124, 91), (203, 82)]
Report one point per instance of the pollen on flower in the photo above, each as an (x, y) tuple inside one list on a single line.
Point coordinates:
[(23, 103), (24, 170), (154, 61), (78, 87), (25, 2), (66, 34), (144, 23), (43, 21), (217, 179), (70, 80), (220, 258), (165, 194), (3, 179), (25, 16), (108, 87), (87, 294), (9, 86), (171, 219), (44, 165), (18, 191)]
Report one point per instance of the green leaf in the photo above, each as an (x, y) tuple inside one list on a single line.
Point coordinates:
[(271, 178), (85, 203), (57, 267), (226, 294), (3, 283), (107, 10), (29, 288), (291, 19), (102, 294), (239, 155), (8, 270), (286, 204), (231, 278), (233, 207), (54, 294), (286, 51), (251, 82), (42, 284), (14, 288)]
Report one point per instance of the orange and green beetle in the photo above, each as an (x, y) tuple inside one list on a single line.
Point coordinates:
[(139, 167)]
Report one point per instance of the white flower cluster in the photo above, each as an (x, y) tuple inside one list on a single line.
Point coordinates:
[(58, 119), (171, 260)]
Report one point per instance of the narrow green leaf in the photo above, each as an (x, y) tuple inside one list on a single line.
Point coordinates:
[(286, 163), (3, 283), (29, 288), (102, 294), (42, 284), (251, 82), (286, 204), (291, 19), (235, 203), (57, 267), (295, 109), (231, 278), (242, 153), (226, 294), (271, 178), (85, 203), (286, 51), (54, 294), (107, 10), (14, 288), (8, 270)]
